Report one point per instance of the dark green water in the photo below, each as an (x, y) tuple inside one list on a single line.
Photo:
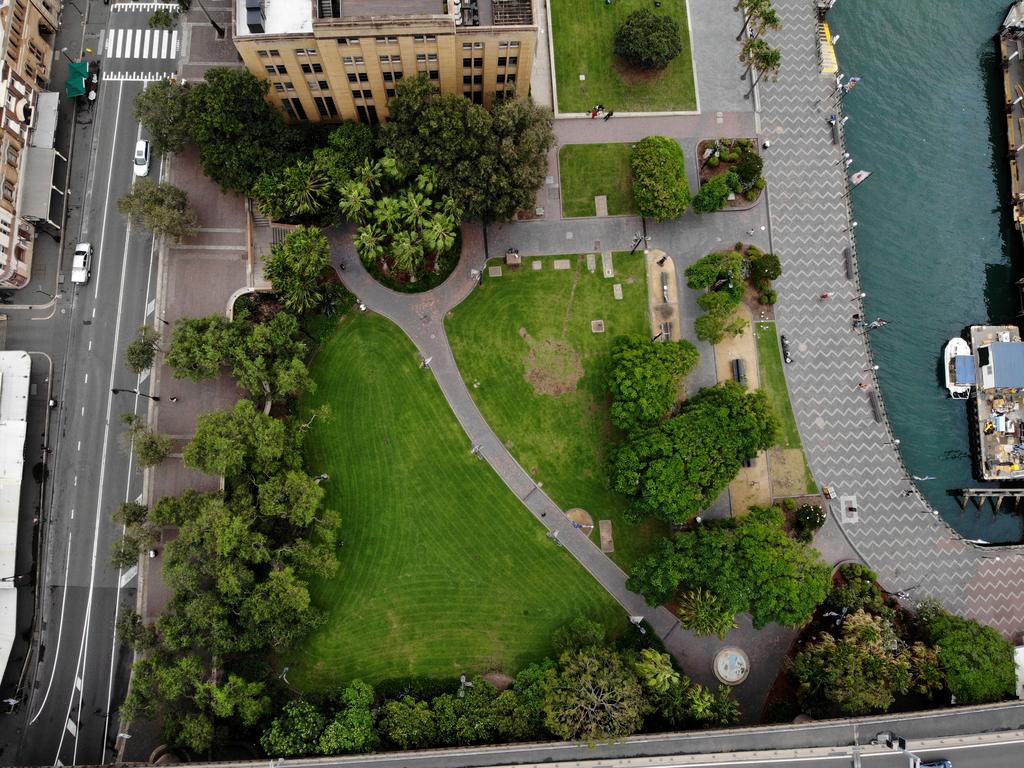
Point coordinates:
[(937, 249)]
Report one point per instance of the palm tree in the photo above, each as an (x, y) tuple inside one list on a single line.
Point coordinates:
[(307, 188), (407, 253), (656, 670), (751, 9), (426, 180), (387, 213), (355, 202), (767, 19), (370, 173), (451, 207), (391, 169), (369, 243), (415, 209), (766, 60), (439, 233), (704, 613)]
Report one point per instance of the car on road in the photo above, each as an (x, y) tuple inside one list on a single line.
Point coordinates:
[(936, 764), (785, 349), (81, 264), (142, 158)]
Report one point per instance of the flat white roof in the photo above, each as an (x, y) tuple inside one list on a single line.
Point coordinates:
[(281, 17), (15, 369)]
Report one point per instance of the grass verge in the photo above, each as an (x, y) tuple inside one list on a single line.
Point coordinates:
[(443, 571), (588, 170), (584, 31), (773, 382), (526, 350)]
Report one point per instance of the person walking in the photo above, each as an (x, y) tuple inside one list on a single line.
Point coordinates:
[(608, 116), (826, 296)]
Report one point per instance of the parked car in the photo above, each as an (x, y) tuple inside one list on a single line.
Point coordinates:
[(81, 264), (936, 764), (141, 158), (785, 350)]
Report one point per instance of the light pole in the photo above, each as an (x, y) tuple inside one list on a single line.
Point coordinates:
[(65, 50), (47, 295), (117, 391)]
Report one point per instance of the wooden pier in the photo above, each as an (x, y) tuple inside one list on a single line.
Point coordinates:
[(979, 496)]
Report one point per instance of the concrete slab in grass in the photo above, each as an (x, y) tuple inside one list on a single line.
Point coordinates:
[(537, 264), (494, 271), (563, 264), (591, 263)]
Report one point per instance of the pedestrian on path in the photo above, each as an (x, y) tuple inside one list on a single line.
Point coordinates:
[(826, 295), (750, 232), (173, 399), (608, 116), (766, 144), (862, 386), (593, 114)]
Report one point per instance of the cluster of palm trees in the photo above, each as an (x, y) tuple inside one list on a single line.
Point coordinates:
[(759, 16), (402, 228)]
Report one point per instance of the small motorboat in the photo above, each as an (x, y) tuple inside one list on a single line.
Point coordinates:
[(959, 368)]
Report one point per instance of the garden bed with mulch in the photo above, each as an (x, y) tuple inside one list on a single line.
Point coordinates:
[(724, 155)]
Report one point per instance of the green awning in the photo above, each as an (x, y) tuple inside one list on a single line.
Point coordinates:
[(78, 71)]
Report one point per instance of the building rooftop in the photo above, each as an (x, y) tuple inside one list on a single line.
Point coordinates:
[(353, 8), (273, 17), (999, 401)]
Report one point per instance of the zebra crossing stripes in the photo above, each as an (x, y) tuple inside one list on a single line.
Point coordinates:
[(135, 76), (145, 7), (142, 44)]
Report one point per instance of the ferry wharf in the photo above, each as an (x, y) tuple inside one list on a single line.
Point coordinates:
[(847, 436)]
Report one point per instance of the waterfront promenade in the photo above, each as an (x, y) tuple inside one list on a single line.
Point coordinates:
[(895, 533)]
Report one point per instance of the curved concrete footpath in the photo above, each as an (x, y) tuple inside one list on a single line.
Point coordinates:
[(897, 535), (421, 317)]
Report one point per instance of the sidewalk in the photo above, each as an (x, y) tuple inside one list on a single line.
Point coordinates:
[(896, 535)]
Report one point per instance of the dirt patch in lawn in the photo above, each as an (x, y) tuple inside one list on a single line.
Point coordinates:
[(787, 469), (553, 367), (635, 75), (499, 680)]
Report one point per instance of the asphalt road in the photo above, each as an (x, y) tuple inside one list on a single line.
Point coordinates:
[(76, 674)]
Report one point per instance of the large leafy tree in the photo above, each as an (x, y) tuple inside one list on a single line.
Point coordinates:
[(351, 729), (595, 696), (977, 661), (197, 347), (140, 352), (491, 163), (644, 379), (162, 109), (408, 723), (161, 208), (296, 732), (860, 672), (648, 40), (750, 563), (660, 186), (679, 467), (239, 134)]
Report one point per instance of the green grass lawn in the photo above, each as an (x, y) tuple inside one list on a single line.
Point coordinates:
[(537, 324), (583, 38), (588, 170), (773, 382), (443, 571)]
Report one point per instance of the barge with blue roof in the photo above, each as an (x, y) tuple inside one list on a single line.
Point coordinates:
[(998, 356)]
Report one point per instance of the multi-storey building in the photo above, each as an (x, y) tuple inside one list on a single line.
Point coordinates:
[(331, 60), (27, 32)]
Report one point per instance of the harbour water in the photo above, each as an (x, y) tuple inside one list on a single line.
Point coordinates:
[(936, 246)]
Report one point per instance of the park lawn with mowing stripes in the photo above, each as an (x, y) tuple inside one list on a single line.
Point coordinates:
[(773, 383), (588, 170), (584, 33), (537, 324), (442, 570)]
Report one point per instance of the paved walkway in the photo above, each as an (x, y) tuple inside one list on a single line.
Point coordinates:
[(421, 317), (898, 535)]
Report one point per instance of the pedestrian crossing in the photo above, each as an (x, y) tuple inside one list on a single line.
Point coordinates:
[(142, 44), (146, 7), (134, 76)]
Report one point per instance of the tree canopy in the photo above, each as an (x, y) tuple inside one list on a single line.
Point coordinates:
[(296, 269), (490, 162), (162, 108), (977, 661), (750, 563), (161, 208), (660, 187), (648, 40), (679, 467), (645, 377)]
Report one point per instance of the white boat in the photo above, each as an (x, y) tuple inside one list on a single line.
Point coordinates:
[(959, 368)]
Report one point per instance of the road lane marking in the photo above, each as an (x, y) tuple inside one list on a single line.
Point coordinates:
[(165, 38), (120, 40), (78, 682), (138, 42), (60, 626), (128, 41), (76, 481), (144, 375), (156, 44), (94, 311), (86, 379), (79, 445), (174, 45), (150, 307), (110, 45), (83, 410), (72, 728), (90, 345), (145, 46), (128, 575)]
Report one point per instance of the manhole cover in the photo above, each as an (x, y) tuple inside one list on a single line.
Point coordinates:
[(731, 665)]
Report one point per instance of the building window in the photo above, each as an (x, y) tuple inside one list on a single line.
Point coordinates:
[(279, 87), (352, 77), (363, 77), (431, 57), (390, 93), (263, 54), (325, 106), (274, 52), (514, 44), (305, 52), (12, 157), (500, 79), (502, 61), (386, 40), (510, 78), (323, 85), (467, 46), (433, 74), (389, 77), (467, 63), (282, 70), (477, 79), (299, 109), (478, 46), (425, 38), (310, 68), (348, 41), (289, 86), (421, 57), (347, 59), (467, 79), (8, 190), (362, 94), (288, 108), (359, 59), (478, 63), (271, 69), (510, 61)]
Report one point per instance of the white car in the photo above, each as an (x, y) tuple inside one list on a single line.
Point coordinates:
[(141, 158), (81, 264)]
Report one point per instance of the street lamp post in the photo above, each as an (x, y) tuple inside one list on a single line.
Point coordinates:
[(65, 50), (117, 391)]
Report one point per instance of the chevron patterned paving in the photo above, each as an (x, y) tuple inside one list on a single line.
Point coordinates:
[(897, 534)]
